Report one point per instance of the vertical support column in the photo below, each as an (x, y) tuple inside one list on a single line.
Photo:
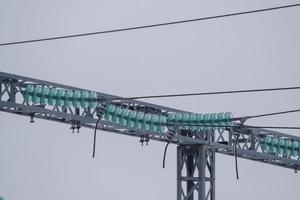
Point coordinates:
[(12, 93), (0, 88), (201, 166), (190, 165), (195, 172)]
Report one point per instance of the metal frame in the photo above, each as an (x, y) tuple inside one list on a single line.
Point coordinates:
[(249, 142), (196, 171)]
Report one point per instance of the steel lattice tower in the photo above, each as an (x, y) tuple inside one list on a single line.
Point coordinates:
[(195, 149)]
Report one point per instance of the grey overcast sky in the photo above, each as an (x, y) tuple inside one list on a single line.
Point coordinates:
[(44, 161)]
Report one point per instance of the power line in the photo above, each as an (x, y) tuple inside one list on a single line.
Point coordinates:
[(271, 127), (207, 93), (267, 114), (95, 133), (151, 25), (233, 126)]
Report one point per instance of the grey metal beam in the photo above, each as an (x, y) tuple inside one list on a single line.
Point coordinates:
[(249, 146)]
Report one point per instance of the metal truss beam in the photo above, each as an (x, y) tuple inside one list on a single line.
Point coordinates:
[(249, 144)]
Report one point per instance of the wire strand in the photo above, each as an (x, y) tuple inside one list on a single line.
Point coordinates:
[(165, 153), (266, 114), (234, 126), (151, 25), (208, 93), (95, 133)]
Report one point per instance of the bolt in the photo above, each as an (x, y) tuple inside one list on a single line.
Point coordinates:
[(31, 119), (142, 141)]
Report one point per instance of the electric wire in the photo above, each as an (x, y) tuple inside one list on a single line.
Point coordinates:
[(165, 153), (243, 119), (235, 126), (151, 25), (207, 93), (95, 133), (269, 114), (270, 127)]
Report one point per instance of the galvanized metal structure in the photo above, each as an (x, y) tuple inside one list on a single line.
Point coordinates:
[(196, 149)]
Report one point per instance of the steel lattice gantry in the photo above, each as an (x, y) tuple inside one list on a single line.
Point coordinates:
[(196, 149)]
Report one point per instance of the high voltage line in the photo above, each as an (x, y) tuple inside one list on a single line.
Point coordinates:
[(269, 114), (151, 25), (207, 93)]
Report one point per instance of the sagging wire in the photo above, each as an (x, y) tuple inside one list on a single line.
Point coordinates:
[(170, 135), (100, 112), (165, 153), (243, 119), (95, 135)]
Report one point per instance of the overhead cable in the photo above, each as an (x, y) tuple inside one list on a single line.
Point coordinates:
[(266, 114), (207, 93), (233, 126), (95, 133), (149, 26), (165, 153)]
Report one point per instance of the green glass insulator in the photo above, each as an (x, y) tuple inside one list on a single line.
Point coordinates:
[(59, 97), (76, 99), (120, 117), (200, 121), (27, 98), (178, 120), (273, 145), (221, 116), (154, 123), (36, 94), (131, 119), (124, 117), (295, 147), (162, 120), (178, 117), (29, 88), (117, 115), (35, 99), (84, 99), (288, 148), (51, 98), (228, 119), (37, 90), (68, 98), (44, 95), (193, 121), (266, 144), (52, 92), (214, 120), (139, 120), (109, 112), (281, 146), (92, 99), (45, 91), (146, 122), (28, 93), (171, 118), (207, 121), (221, 120), (186, 121)]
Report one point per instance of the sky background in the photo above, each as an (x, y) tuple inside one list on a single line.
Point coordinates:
[(45, 161)]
